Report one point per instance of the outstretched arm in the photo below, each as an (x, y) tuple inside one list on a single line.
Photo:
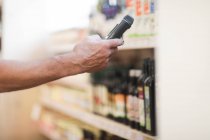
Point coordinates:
[(90, 55)]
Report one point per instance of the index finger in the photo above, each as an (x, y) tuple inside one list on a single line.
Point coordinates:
[(113, 43)]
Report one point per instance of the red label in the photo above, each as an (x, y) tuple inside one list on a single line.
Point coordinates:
[(129, 3), (141, 92), (146, 7), (138, 8)]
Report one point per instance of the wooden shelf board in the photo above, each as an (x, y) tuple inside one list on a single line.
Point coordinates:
[(98, 121)]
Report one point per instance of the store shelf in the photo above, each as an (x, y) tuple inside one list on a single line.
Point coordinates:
[(139, 43), (127, 46), (130, 44), (133, 47), (98, 122)]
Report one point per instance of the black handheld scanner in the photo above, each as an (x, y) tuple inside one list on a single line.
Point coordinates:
[(120, 28)]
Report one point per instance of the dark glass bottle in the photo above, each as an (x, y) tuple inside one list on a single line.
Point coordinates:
[(129, 98), (134, 100), (149, 91), (138, 73), (124, 88), (110, 102), (88, 135), (103, 135), (96, 100), (119, 96), (141, 95), (110, 76), (97, 79), (119, 104)]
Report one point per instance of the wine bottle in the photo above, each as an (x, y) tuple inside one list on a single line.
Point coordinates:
[(129, 102), (110, 102), (149, 91), (134, 98), (124, 87), (119, 104), (138, 73), (142, 96), (110, 76)]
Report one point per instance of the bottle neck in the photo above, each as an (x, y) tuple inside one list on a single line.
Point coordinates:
[(146, 67), (136, 81), (151, 69), (145, 70)]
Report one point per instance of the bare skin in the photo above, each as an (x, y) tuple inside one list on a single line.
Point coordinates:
[(89, 55)]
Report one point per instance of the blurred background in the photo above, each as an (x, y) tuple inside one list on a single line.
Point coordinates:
[(155, 88)]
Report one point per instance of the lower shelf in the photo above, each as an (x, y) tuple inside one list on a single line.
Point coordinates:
[(48, 135), (98, 121)]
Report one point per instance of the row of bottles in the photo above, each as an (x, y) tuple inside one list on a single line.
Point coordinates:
[(141, 98), (110, 8), (110, 12), (106, 136), (127, 96), (88, 135), (62, 128)]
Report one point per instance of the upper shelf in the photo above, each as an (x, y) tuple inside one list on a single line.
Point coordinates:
[(139, 43), (128, 45), (98, 121), (65, 41)]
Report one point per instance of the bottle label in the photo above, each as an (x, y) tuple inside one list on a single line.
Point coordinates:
[(136, 109), (141, 107), (113, 108), (146, 7), (119, 105), (129, 107), (110, 104), (138, 7), (147, 106), (132, 108), (152, 6), (96, 100), (129, 3), (104, 100)]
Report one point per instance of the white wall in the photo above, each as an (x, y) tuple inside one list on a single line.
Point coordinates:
[(63, 14), (27, 23), (23, 25), (184, 70)]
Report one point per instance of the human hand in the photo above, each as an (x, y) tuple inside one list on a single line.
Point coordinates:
[(94, 53)]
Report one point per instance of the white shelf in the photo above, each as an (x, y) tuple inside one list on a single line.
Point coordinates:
[(139, 43), (133, 47), (98, 121), (127, 46), (130, 44)]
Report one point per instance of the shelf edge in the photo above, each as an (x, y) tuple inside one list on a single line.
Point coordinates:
[(98, 121)]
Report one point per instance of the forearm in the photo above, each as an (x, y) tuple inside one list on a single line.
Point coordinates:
[(21, 75), (91, 54)]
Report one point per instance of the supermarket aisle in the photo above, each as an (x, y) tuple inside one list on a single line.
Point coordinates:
[(156, 86)]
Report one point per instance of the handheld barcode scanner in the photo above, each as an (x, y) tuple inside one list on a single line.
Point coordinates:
[(120, 28)]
